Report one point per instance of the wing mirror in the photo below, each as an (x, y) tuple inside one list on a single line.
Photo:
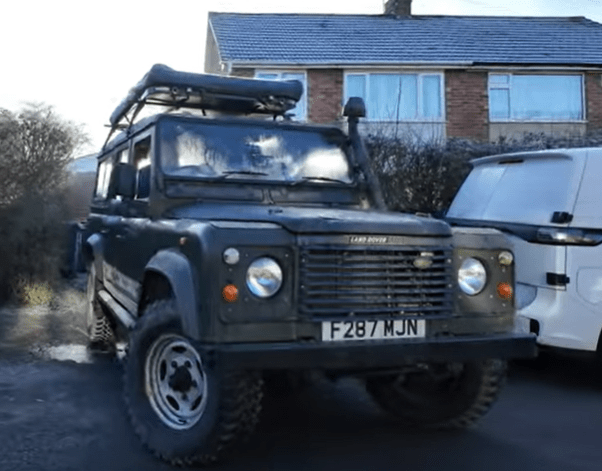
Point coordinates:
[(123, 180)]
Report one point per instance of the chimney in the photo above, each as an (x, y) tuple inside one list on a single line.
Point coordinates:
[(398, 7)]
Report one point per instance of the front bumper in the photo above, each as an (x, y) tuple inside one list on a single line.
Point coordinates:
[(376, 354)]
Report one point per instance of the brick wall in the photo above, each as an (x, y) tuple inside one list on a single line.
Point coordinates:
[(467, 105), (593, 90), (325, 94)]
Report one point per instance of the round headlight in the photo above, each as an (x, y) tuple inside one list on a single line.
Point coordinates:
[(472, 276), (264, 277)]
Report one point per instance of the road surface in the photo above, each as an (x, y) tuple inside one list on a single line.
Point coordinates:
[(64, 415)]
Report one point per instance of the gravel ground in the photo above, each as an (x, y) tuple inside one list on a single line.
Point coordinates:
[(43, 331)]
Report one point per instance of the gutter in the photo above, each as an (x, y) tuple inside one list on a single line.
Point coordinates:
[(518, 66), (338, 65), (410, 64)]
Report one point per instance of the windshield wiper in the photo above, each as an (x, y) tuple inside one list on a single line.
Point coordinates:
[(319, 179), (225, 175)]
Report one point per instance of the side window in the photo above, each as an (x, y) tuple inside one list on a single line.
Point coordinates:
[(103, 178), (105, 170), (123, 156), (142, 161)]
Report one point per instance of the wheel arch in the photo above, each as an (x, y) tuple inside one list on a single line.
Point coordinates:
[(599, 345), (93, 252), (170, 273)]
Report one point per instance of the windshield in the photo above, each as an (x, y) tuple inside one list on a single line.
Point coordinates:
[(252, 151)]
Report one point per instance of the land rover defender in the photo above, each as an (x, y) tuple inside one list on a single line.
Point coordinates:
[(229, 242)]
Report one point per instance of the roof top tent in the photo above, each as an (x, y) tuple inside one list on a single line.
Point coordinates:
[(176, 90)]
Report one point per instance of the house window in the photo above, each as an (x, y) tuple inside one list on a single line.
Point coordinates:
[(514, 97), (300, 111), (398, 97)]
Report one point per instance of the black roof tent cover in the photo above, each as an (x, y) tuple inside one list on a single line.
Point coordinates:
[(164, 86)]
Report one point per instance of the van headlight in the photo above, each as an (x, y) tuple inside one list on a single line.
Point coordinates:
[(264, 277), (472, 276)]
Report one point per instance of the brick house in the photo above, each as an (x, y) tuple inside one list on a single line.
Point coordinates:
[(457, 76)]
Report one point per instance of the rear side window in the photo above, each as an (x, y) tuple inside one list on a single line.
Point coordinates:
[(104, 177), (142, 162), (525, 191)]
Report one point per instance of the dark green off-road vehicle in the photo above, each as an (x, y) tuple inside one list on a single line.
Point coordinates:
[(230, 245)]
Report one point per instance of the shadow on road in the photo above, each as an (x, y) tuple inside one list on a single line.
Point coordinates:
[(578, 372), (337, 426)]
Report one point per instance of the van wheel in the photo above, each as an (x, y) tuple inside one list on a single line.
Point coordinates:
[(184, 408), (101, 336), (449, 396)]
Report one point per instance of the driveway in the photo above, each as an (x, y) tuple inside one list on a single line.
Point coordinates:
[(62, 410)]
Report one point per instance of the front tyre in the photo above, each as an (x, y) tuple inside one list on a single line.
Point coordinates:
[(450, 396), (183, 407)]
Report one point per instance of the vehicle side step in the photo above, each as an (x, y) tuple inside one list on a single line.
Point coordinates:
[(120, 312)]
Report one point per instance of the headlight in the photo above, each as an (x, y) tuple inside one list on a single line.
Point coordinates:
[(264, 277), (472, 276)]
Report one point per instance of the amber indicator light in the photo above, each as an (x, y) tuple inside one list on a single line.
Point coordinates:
[(230, 293), (504, 291)]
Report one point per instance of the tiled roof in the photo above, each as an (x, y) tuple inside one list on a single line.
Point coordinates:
[(373, 39)]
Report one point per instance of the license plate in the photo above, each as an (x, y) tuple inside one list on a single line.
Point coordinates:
[(334, 331)]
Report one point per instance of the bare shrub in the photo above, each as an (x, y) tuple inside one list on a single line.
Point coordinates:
[(32, 241), (35, 146), (424, 176)]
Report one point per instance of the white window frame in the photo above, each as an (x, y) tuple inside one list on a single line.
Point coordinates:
[(508, 86), (279, 72), (419, 99)]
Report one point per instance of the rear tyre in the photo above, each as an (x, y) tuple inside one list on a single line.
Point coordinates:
[(184, 408), (448, 396), (101, 336)]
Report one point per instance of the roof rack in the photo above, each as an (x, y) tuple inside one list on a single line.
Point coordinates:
[(170, 88)]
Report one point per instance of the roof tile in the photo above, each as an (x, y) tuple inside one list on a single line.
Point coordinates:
[(371, 39)]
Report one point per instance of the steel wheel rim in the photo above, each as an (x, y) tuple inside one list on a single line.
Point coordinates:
[(175, 382)]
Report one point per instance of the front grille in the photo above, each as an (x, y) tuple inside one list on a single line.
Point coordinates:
[(342, 281)]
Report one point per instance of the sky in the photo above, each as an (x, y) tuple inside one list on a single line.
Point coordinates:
[(83, 57)]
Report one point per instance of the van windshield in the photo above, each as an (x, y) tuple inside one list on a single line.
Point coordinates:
[(252, 151), (525, 190)]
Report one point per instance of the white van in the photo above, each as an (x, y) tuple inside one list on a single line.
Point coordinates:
[(550, 204)]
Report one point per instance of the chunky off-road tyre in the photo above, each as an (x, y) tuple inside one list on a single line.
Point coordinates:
[(448, 396), (101, 336), (184, 408), (285, 384)]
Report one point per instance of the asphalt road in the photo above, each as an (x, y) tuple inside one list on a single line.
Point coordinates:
[(63, 415)]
